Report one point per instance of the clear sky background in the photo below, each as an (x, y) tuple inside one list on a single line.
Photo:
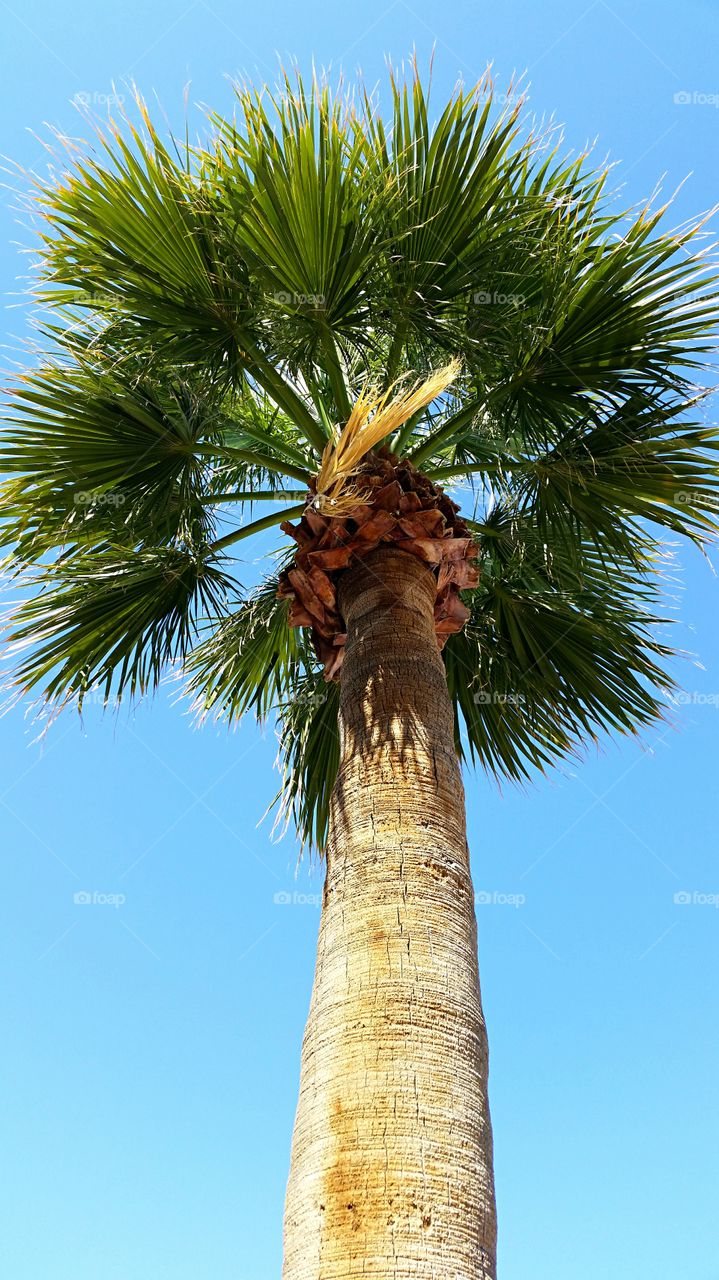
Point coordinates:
[(151, 1049)]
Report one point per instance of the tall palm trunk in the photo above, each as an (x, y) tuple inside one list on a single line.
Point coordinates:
[(391, 1172)]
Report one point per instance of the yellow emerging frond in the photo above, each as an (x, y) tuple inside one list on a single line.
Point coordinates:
[(374, 416)]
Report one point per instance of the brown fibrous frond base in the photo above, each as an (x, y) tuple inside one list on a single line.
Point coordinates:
[(396, 505)]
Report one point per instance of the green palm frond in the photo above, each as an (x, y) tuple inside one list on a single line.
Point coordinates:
[(113, 621), (253, 662), (95, 452), (639, 462), (134, 240), (560, 647), (250, 661), (309, 756), (645, 460), (128, 236), (587, 308), (90, 454), (291, 177), (447, 179)]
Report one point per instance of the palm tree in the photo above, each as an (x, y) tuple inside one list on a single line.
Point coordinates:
[(339, 317)]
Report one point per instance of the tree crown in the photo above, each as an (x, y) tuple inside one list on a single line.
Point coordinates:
[(211, 314)]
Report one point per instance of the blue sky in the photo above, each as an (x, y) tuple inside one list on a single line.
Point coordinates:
[(151, 1041)]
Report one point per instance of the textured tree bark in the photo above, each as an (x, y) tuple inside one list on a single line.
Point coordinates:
[(391, 1171)]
